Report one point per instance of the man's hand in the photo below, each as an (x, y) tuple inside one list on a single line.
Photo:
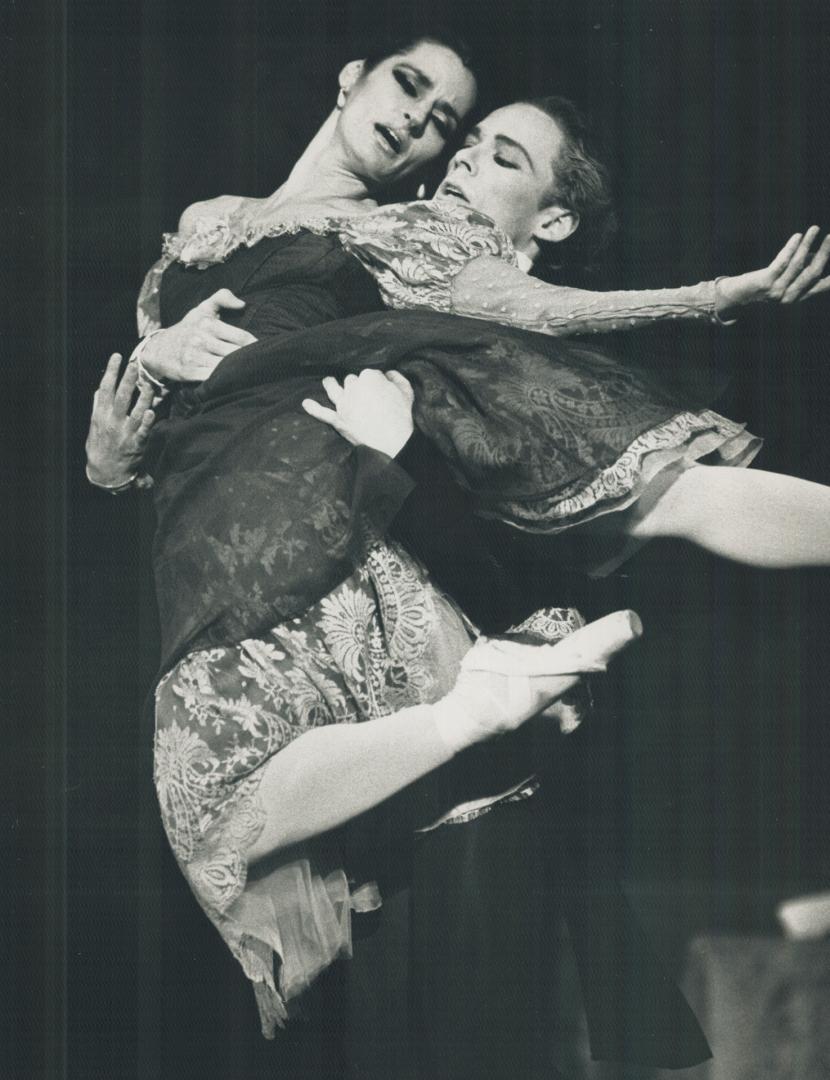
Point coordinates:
[(189, 350), (793, 275), (371, 409), (118, 433)]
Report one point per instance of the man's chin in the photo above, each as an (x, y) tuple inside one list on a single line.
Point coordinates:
[(450, 198)]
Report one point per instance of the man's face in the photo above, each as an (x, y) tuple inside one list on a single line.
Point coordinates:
[(506, 170)]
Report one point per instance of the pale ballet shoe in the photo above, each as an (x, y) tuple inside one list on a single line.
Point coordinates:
[(586, 650), (503, 683)]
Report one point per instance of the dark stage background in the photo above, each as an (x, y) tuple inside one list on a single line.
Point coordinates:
[(717, 762)]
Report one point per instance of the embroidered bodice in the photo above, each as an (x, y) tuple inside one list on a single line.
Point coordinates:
[(431, 255)]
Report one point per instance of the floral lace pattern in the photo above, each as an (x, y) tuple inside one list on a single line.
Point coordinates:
[(213, 239), (413, 250), (381, 641), (686, 436), (364, 651)]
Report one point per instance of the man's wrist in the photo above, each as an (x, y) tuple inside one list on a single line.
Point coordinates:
[(114, 483), (143, 355), (395, 444)]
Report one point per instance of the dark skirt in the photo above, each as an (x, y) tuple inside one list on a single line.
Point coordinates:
[(263, 510), (460, 975)]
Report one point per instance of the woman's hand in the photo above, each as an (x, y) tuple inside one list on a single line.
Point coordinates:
[(794, 274), (189, 350), (371, 409), (118, 434)]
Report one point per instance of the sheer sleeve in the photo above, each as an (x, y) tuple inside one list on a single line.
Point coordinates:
[(487, 288), (414, 250), (148, 312)]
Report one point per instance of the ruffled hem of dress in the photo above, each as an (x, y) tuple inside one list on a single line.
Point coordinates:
[(736, 451), (286, 928), (677, 443)]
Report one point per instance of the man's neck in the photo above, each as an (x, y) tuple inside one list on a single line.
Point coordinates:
[(527, 254)]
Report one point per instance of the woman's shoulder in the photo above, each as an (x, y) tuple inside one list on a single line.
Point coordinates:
[(221, 207), (415, 250)]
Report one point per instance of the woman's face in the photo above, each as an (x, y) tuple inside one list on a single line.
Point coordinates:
[(398, 116), (506, 170)]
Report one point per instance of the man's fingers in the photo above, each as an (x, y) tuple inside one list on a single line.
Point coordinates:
[(333, 389), (233, 334), (402, 383), (224, 298), (124, 393), (142, 402), (147, 420), (110, 376), (216, 347), (320, 412)]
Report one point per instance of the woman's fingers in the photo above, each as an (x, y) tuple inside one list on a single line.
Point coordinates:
[(809, 276), (782, 260), (798, 260), (822, 286)]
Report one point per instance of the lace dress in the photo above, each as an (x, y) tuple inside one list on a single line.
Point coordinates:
[(283, 608)]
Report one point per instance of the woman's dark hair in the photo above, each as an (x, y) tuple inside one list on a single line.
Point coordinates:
[(581, 184), (395, 44)]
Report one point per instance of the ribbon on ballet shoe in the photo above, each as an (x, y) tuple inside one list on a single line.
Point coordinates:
[(585, 651), (501, 657)]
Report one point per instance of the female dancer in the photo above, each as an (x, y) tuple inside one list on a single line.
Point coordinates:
[(297, 905), (220, 855), (531, 187)]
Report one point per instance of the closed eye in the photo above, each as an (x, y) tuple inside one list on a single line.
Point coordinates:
[(442, 125), (505, 163), (407, 83)]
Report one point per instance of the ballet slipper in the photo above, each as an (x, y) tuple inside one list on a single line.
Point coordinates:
[(503, 683)]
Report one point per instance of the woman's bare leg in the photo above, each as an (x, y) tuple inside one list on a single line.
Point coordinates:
[(330, 774), (759, 518)]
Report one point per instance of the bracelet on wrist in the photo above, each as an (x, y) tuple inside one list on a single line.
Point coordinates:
[(716, 318), (137, 358), (137, 480)]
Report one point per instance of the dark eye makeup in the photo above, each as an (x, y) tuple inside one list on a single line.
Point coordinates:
[(409, 87), (406, 82)]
